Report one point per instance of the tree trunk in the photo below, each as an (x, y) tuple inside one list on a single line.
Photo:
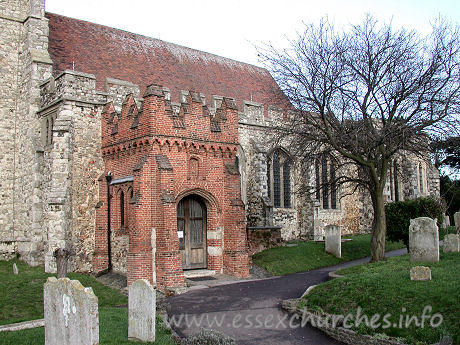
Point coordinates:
[(379, 226)]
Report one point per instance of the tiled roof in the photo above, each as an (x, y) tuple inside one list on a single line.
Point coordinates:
[(108, 52)]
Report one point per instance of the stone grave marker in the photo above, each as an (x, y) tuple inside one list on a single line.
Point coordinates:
[(446, 221), (142, 309), (420, 273), (457, 221), (15, 269), (423, 240), (451, 243), (333, 240), (71, 313)]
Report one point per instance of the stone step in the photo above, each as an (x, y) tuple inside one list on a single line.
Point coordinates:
[(199, 273)]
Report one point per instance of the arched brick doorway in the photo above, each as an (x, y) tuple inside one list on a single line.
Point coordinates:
[(191, 232)]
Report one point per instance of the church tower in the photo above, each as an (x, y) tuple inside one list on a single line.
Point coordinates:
[(24, 64)]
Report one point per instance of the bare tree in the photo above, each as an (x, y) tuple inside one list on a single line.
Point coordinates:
[(368, 94)]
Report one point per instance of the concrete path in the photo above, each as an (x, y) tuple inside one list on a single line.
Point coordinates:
[(250, 311)]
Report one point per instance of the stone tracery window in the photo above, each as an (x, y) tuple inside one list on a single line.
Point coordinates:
[(421, 179), (326, 188), (393, 181), (279, 167)]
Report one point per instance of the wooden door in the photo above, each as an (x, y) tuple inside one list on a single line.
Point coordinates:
[(191, 231)]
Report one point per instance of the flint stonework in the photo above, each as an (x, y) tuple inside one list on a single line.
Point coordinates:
[(423, 240), (333, 240), (451, 243), (71, 313), (420, 273), (142, 308)]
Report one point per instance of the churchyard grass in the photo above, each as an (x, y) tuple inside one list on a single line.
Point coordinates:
[(311, 255), (385, 288), (21, 299)]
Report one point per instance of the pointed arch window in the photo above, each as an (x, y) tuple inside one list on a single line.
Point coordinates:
[(421, 179), (279, 173), (325, 182), (392, 181)]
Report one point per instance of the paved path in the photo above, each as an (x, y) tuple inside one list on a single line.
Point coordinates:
[(250, 311)]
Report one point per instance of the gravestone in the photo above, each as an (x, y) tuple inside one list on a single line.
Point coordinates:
[(423, 240), (333, 240), (142, 308), (61, 256), (15, 270), (420, 273), (457, 221), (71, 313), (451, 243), (446, 221)]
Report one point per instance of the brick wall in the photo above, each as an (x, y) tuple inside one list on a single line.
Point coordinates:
[(165, 152)]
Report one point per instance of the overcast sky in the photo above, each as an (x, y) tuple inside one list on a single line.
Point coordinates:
[(231, 28)]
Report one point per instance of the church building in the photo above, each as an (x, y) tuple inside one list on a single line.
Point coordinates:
[(152, 159)]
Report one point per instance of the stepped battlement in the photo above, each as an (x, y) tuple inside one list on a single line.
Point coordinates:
[(154, 115)]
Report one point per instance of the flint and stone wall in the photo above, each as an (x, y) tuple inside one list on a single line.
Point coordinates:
[(306, 219), (72, 163), (24, 63)]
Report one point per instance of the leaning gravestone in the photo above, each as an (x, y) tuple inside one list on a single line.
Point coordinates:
[(71, 313), (451, 243), (423, 240), (142, 307), (457, 221), (333, 240)]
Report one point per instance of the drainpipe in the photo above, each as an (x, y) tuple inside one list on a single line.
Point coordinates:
[(108, 178)]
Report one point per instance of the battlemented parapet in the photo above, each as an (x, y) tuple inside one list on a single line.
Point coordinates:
[(156, 115), (158, 155), (70, 118)]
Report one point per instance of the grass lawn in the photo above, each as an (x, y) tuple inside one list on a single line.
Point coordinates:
[(385, 288), (21, 299), (310, 255)]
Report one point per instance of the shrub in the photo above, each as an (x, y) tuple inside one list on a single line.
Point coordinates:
[(399, 214)]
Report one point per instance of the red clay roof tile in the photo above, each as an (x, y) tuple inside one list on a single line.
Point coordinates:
[(108, 52)]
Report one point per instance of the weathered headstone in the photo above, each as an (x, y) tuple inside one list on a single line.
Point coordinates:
[(457, 221), (451, 243), (15, 269), (142, 308), (71, 313), (423, 240), (446, 221), (61, 256), (420, 273), (333, 240)]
